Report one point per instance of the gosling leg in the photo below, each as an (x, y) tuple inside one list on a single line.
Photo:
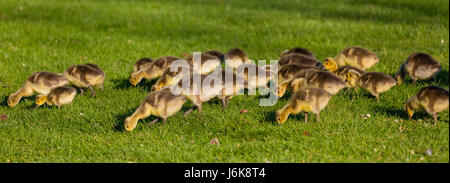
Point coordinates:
[(435, 118), (306, 117), (318, 117), (81, 91), (101, 86), (92, 91), (189, 111), (164, 121), (152, 122)]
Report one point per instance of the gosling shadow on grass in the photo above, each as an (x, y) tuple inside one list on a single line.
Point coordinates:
[(125, 84), (391, 111), (270, 117)]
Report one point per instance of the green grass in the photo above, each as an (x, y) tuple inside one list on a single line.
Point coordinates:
[(52, 35)]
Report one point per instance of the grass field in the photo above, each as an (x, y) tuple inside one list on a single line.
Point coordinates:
[(52, 35)]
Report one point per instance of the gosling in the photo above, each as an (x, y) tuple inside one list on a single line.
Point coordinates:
[(358, 57), (193, 90), (319, 79), (419, 66), (236, 57), (305, 100), (58, 96), (161, 104), (169, 77), (39, 82), (142, 63), (255, 76), (153, 70), (432, 99), (216, 53), (299, 51), (85, 76), (288, 72), (232, 84), (295, 58), (341, 71), (208, 63), (374, 82)]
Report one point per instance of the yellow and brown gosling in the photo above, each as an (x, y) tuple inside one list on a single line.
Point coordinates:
[(299, 51), (419, 66), (169, 77), (374, 82), (252, 76), (193, 90), (295, 58), (153, 70), (432, 99), (231, 86), (341, 71), (288, 72), (208, 63), (39, 82), (58, 96), (161, 103), (85, 76), (305, 100), (319, 79), (142, 63), (358, 57), (236, 57), (216, 53)]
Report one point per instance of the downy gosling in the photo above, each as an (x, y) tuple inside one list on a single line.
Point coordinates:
[(58, 96), (432, 99), (305, 100), (355, 56), (85, 76), (39, 82), (419, 66), (153, 70), (160, 103), (374, 82)]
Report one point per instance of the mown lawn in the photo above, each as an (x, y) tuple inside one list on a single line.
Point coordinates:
[(51, 35)]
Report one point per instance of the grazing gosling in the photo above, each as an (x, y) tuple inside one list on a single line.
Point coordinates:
[(319, 79), (358, 57), (153, 70), (216, 53), (169, 78), (254, 79), (161, 103), (432, 99), (39, 82), (288, 72), (299, 51), (231, 86), (58, 96), (341, 71), (419, 66), (208, 63), (85, 76), (305, 100), (295, 58), (142, 63), (194, 92), (374, 82), (236, 57)]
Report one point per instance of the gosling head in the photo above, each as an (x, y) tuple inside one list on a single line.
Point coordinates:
[(282, 89), (130, 124), (281, 117), (12, 100), (40, 100), (351, 78), (330, 64), (408, 108), (399, 79), (134, 79)]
